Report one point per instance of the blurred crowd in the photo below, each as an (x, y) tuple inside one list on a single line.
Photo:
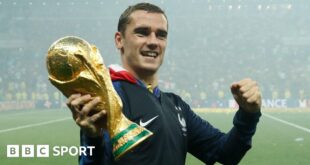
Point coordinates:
[(208, 49)]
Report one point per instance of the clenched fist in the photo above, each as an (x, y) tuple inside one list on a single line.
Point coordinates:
[(247, 95)]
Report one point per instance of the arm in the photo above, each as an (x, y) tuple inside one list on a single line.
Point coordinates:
[(210, 145), (90, 123), (101, 154), (96, 156)]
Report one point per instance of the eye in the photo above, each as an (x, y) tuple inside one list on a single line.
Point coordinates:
[(161, 34), (142, 32)]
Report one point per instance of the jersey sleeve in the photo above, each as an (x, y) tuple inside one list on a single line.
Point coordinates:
[(210, 145), (101, 154)]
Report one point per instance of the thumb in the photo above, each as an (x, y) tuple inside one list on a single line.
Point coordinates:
[(235, 88)]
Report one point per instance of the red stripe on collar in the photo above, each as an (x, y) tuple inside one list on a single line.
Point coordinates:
[(121, 74)]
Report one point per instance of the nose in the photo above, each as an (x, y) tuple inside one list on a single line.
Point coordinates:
[(152, 41)]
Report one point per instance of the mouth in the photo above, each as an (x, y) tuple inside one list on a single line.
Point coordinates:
[(149, 54)]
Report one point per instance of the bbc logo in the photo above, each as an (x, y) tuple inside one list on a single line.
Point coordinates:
[(27, 151), (30, 151)]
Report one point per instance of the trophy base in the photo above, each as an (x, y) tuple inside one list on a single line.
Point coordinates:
[(128, 139)]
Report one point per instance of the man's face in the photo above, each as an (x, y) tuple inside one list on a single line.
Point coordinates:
[(144, 42)]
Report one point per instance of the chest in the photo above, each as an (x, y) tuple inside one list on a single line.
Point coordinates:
[(163, 116)]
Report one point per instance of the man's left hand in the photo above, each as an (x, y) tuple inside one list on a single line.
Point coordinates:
[(247, 95)]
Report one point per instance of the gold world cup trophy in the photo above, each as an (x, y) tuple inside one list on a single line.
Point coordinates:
[(75, 66)]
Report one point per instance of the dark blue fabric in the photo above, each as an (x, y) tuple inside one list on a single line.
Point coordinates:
[(205, 142)]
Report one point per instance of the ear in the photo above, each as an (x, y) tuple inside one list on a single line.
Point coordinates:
[(118, 40)]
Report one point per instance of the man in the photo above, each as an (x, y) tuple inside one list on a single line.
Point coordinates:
[(142, 39)]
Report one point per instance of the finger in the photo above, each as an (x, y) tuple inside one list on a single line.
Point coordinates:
[(71, 98), (250, 92), (235, 88), (96, 117), (248, 86), (255, 98), (79, 102), (76, 104), (77, 119), (90, 105)]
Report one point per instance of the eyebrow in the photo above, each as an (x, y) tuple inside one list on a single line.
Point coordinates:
[(145, 28)]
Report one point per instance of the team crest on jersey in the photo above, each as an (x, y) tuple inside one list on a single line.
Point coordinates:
[(181, 120), (178, 108)]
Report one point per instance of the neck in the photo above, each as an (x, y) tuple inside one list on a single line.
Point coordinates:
[(148, 78), (153, 81)]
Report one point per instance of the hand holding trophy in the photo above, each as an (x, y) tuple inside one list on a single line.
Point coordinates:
[(75, 66)]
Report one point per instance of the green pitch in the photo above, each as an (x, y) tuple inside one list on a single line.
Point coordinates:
[(276, 142)]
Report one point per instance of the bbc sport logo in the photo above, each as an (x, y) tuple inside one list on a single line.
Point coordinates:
[(43, 151)]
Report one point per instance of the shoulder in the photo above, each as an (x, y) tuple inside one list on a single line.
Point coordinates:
[(117, 85), (177, 100), (173, 96), (118, 88)]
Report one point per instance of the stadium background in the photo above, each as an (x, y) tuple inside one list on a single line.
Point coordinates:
[(211, 44)]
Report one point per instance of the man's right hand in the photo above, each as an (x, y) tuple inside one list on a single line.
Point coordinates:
[(82, 107)]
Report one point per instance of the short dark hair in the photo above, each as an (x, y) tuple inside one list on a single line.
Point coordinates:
[(125, 17)]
